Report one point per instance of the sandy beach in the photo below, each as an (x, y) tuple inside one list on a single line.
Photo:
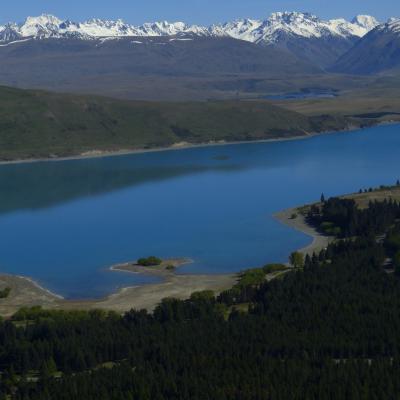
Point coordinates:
[(149, 296), (25, 292)]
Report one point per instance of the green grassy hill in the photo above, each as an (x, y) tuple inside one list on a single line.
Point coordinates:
[(39, 124)]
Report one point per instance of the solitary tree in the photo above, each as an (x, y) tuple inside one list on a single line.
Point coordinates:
[(297, 259)]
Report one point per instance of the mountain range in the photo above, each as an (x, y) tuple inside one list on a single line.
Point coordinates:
[(257, 31), (123, 60)]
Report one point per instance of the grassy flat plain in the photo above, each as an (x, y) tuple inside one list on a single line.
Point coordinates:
[(381, 194), (371, 98)]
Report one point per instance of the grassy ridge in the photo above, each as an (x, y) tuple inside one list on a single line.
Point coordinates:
[(38, 124)]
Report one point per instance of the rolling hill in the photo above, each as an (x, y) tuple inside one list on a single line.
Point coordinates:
[(36, 124)]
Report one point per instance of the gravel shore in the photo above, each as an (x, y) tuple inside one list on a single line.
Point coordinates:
[(319, 241)]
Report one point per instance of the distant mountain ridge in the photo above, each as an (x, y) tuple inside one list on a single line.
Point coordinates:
[(266, 31)]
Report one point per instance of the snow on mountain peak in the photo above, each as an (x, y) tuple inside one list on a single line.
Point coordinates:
[(282, 24), (273, 29), (291, 23), (101, 28), (9, 33), (365, 21), (163, 28), (240, 29), (44, 19), (43, 25), (393, 25), (292, 17)]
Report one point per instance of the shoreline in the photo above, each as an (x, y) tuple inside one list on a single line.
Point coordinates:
[(150, 295), (158, 270), (40, 287), (26, 292), (319, 241), (95, 153)]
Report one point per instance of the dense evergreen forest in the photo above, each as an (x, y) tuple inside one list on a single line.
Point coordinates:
[(328, 330)]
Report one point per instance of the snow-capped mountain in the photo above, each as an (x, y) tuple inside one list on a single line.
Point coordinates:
[(268, 31), (9, 33), (365, 22), (241, 29), (392, 26), (39, 27), (377, 51), (49, 26), (311, 39), (296, 24)]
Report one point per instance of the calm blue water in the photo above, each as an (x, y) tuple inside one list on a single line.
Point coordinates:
[(64, 223)]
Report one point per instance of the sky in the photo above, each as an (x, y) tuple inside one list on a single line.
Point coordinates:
[(203, 12)]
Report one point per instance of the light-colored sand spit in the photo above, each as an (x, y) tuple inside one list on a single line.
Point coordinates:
[(148, 296), (27, 293), (24, 292)]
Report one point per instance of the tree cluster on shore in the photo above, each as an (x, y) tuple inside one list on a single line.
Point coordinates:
[(328, 330), (342, 218)]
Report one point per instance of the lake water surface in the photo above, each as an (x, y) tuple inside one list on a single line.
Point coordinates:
[(64, 223)]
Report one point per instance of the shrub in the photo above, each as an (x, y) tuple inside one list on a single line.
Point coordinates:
[(270, 268), (251, 277), (297, 259), (5, 293), (149, 261), (204, 295)]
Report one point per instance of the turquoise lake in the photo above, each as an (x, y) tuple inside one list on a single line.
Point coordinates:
[(64, 223)]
